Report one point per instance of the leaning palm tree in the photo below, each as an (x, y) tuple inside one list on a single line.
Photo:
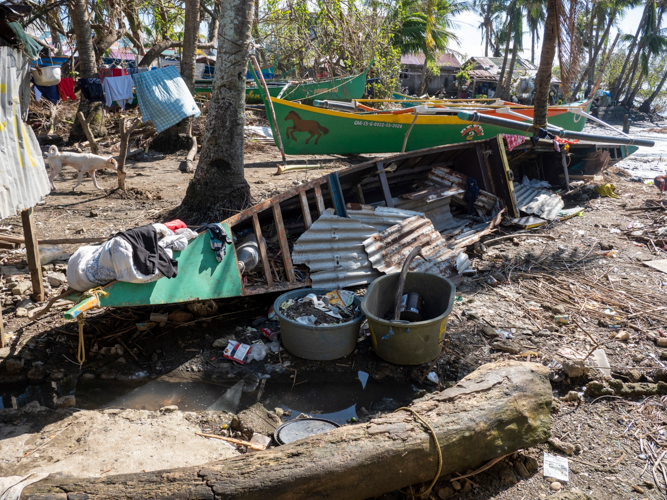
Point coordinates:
[(535, 15)]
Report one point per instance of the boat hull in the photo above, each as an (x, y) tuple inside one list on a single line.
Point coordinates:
[(306, 130)]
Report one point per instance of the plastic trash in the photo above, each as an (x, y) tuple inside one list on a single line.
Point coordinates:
[(311, 297), (236, 351), (562, 319), (341, 298), (269, 334), (230, 400), (159, 317), (307, 320), (602, 362), (274, 346), (49, 253), (606, 190), (433, 378), (257, 353)]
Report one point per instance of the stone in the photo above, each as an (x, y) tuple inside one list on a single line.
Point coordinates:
[(570, 397), (574, 368), (556, 486), (521, 469), (37, 372), (22, 287), (256, 419), (88, 376), (573, 494), (638, 489), (169, 409), (33, 407), (279, 411), (456, 485), (260, 439), (222, 342), (68, 401), (532, 465), (622, 336), (57, 375), (56, 279), (180, 316), (506, 474), (489, 332), (445, 493), (567, 448), (661, 342), (21, 312), (559, 309), (507, 346), (13, 366)]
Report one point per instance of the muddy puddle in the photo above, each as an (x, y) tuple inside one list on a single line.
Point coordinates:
[(337, 397)]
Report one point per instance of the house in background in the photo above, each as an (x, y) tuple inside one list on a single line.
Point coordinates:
[(411, 74)]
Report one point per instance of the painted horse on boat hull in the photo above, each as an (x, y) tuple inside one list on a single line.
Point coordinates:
[(301, 125)]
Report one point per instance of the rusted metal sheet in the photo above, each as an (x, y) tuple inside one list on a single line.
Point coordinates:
[(23, 177), (387, 250), (380, 218), (439, 212), (334, 252), (446, 177), (536, 201), (433, 194)]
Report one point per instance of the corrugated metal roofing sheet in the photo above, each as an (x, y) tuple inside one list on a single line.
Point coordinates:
[(535, 201), (23, 177), (442, 60), (380, 218), (387, 250), (334, 252), (438, 212)]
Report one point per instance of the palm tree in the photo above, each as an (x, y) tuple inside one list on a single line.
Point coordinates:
[(535, 15), (491, 9), (543, 77)]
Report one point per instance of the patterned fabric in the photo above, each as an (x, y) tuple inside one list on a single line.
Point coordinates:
[(108, 72), (164, 98), (219, 238), (514, 141), (92, 90)]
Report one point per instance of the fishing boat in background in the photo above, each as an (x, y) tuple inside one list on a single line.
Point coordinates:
[(356, 128)]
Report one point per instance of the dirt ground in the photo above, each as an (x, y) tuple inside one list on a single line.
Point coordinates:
[(590, 269)]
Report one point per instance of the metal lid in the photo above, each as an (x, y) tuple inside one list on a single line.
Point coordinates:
[(302, 428)]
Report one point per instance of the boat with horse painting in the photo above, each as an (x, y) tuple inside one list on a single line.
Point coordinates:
[(309, 130)]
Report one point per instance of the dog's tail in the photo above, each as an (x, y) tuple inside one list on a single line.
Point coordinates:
[(53, 150)]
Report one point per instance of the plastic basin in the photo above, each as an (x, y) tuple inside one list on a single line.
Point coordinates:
[(404, 343), (319, 343)]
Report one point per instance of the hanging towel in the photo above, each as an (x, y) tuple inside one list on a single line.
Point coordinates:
[(147, 255), (164, 98), (38, 94), (219, 238), (66, 89), (110, 72), (92, 90), (514, 140), (119, 89), (50, 92)]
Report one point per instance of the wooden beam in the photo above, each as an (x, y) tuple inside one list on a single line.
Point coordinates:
[(320, 199), (3, 340), (262, 250), (57, 241), (89, 135), (305, 209), (32, 252), (385, 185), (284, 245)]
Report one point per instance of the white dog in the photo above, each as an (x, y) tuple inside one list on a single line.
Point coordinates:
[(82, 162)]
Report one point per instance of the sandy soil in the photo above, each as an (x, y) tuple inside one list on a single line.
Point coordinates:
[(618, 437)]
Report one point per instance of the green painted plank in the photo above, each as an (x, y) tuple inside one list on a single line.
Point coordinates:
[(200, 277)]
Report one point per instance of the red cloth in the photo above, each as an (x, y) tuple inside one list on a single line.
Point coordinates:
[(175, 224), (514, 140), (66, 89), (104, 72)]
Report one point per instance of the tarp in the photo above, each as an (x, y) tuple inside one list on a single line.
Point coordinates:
[(23, 177)]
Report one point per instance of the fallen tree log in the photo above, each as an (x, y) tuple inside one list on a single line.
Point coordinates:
[(498, 409)]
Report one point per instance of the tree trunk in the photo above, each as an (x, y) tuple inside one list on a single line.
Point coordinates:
[(134, 21), (213, 23), (499, 408), (219, 188), (630, 100), (646, 105), (422, 82), (93, 111), (543, 78), (510, 73), (598, 47), (53, 29), (507, 50), (532, 46), (631, 49), (626, 86)]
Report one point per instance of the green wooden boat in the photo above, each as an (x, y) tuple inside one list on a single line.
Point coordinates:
[(308, 130), (204, 87)]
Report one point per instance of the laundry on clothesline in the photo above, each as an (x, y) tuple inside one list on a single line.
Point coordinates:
[(66, 89), (111, 72), (164, 98), (119, 89), (92, 90), (50, 93)]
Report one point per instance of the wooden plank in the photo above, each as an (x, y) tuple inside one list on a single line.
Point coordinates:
[(32, 252), (284, 246), (385, 185), (360, 194), (3, 340), (57, 241), (305, 209), (262, 250), (319, 199), (484, 168)]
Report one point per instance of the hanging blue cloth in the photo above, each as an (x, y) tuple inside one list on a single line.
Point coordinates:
[(50, 92)]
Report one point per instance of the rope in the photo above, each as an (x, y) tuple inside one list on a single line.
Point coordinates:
[(81, 352), (437, 447)]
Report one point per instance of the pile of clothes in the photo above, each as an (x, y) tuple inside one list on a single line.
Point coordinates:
[(140, 255)]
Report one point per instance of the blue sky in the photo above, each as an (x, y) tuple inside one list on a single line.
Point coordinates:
[(472, 43)]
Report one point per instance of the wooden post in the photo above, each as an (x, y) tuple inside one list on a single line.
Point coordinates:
[(124, 144), (89, 134), (257, 69), (3, 341), (262, 250), (284, 245), (32, 252), (626, 124), (385, 185)]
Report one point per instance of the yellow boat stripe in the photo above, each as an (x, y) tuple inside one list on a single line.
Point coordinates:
[(18, 149), (27, 144)]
